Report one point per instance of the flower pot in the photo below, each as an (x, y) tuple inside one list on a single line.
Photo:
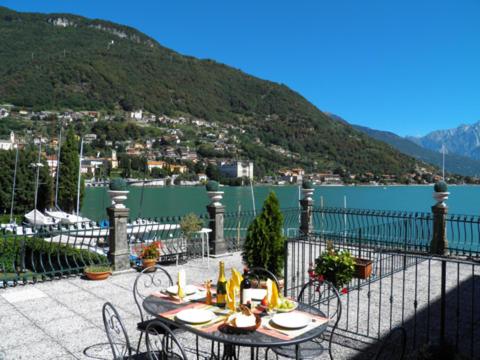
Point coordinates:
[(363, 268), (146, 263), (97, 275)]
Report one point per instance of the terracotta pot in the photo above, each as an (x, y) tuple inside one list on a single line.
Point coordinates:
[(363, 268), (146, 263), (97, 275)]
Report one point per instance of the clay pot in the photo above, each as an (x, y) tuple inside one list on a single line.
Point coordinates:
[(146, 263), (363, 268), (97, 275)]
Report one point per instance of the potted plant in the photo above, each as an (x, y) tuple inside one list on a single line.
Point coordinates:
[(118, 192), (150, 254), (264, 243), (440, 192), (213, 193), (97, 272), (336, 266)]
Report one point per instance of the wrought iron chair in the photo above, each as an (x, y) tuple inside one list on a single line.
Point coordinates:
[(324, 296), (149, 280), (162, 343), (145, 283), (260, 274), (393, 346), (117, 335)]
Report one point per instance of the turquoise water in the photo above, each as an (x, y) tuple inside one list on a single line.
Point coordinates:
[(168, 201)]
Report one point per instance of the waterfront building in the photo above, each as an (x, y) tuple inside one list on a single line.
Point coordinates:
[(237, 169)]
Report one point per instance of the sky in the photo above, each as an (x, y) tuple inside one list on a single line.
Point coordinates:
[(410, 67)]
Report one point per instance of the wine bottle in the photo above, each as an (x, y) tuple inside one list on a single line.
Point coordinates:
[(245, 292), (221, 286)]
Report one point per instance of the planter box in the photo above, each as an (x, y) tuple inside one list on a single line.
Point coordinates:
[(363, 268)]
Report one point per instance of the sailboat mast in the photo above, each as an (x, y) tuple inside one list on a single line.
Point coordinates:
[(37, 179), (79, 176), (57, 175), (253, 197), (443, 162), (14, 184)]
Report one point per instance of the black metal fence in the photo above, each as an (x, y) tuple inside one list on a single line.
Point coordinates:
[(433, 298)]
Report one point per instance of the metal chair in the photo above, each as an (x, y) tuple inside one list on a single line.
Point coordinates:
[(393, 346), (324, 296), (117, 335), (162, 343), (149, 280), (260, 274)]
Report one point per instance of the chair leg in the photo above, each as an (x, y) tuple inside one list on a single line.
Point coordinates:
[(139, 342)]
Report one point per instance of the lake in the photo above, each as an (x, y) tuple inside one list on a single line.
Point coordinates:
[(176, 200)]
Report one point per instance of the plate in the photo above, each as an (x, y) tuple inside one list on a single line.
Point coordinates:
[(188, 290), (195, 316), (291, 321), (295, 305), (258, 294)]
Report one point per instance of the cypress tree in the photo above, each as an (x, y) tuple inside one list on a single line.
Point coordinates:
[(264, 243), (69, 163)]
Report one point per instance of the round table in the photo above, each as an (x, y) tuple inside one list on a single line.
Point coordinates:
[(156, 305)]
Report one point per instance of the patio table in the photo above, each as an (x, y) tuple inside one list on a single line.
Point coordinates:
[(162, 308)]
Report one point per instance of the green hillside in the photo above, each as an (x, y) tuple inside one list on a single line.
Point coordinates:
[(98, 65)]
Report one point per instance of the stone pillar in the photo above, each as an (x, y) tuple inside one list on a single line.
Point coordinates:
[(306, 205), (119, 251), (439, 244), (216, 211)]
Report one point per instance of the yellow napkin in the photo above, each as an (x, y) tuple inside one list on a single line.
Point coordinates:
[(230, 298), (236, 278), (272, 294)]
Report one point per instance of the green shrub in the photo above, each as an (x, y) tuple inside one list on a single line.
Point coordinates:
[(39, 255), (264, 244), (190, 224)]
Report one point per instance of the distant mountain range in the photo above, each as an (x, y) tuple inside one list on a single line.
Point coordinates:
[(453, 163), (463, 140)]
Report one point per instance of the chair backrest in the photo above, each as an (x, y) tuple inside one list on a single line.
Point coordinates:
[(323, 296), (116, 333), (161, 341), (260, 274), (393, 346), (149, 280)]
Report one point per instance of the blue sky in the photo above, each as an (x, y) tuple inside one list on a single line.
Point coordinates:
[(405, 66)]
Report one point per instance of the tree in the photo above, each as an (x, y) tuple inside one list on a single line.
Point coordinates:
[(25, 182), (264, 244), (69, 164), (213, 172)]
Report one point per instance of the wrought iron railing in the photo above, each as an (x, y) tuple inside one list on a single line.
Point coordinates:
[(30, 255)]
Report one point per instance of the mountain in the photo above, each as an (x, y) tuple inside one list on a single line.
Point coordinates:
[(61, 61), (453, 163), (463, 140)]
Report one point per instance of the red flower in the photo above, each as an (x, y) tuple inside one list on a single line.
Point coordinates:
[(320, 278), (344, 291)]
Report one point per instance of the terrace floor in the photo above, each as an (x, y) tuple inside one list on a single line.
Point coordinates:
[(62, 319)]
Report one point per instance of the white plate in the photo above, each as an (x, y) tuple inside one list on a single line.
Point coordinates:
[(195, 316), (291, 321), (188, 290), (258, 294)]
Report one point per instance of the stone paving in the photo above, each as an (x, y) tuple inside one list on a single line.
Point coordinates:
[(62, 319)]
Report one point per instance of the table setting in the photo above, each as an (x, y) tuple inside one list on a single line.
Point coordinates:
[(263, 310)]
